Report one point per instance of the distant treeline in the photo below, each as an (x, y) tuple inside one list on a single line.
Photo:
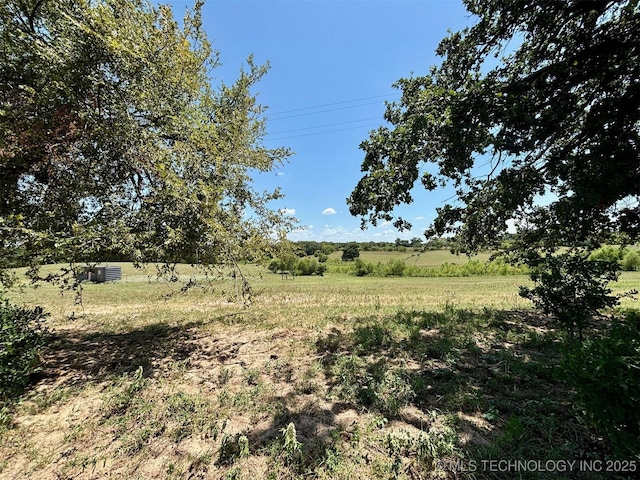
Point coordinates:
[(398, 268), (310, 247)]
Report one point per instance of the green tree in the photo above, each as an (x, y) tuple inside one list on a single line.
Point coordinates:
[(532, 117), (114, 141), (536, 99), (350, 252)]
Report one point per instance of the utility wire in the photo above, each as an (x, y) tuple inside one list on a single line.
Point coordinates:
[(326, 125), (323, 111), (325, 131), (332, 104)]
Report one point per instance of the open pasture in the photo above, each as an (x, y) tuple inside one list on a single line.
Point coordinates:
[(320, 377), (429, 258)]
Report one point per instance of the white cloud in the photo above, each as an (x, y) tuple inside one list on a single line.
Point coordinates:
[(289, 212), (329, 211), (280, 174), (301, 233), (386, 235), (385, 224), (419, 218), (341, 234)]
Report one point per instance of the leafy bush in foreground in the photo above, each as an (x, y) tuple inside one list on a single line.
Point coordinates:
[(571, 287), (605, 373), (22, 335)]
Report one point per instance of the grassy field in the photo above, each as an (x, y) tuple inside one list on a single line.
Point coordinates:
[(334, 377), (420, 259)]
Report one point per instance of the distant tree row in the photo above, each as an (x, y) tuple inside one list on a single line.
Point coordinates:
[(311, 247)]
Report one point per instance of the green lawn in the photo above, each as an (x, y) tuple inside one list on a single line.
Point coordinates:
[(421, 259), (380, 378)]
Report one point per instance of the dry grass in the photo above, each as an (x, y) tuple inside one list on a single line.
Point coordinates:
[(431, 258), (381, 378)]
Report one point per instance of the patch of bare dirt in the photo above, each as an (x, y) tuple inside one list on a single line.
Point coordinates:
[(60, 432)]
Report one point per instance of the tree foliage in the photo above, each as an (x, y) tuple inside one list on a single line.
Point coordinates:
[(22, 336), (350, 252), (571, 287), (532, 116), (113, 140), (604, 373)]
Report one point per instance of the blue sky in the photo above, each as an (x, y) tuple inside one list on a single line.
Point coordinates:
[(333, 64)]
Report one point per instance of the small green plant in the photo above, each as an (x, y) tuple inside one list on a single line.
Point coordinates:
[(377, 386), (348, 371), (233, 448), (291, 447), (224, 376), (426, 448), (309, 383), (22, 336), (127, 389), (252, 376)]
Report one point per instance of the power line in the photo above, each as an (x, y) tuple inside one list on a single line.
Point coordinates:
[(325, 131), (323, 111), (332, 104), (326, 125)]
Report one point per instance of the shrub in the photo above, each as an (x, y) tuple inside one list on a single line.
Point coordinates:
[(572, 288), (274, 266), (608, 254), (22, 335), (362, 268), (604, 374), (395, 267), (631, 261), (306, 266)]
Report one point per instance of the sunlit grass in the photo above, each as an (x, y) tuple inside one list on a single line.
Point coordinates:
[(381, 377), (430, 258), (140, 298)]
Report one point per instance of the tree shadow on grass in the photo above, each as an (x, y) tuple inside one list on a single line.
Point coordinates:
[(491, 375), (75, 358), (316, 427)]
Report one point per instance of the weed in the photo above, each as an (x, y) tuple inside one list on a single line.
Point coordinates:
[(252, 376), (42, 401), (291, 447), (224, 376), (127, 388), (347, 372), (5, 419), (232, 448), (309, 382), (282, 371), (135, 442), (425, 448), (188, 415)]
